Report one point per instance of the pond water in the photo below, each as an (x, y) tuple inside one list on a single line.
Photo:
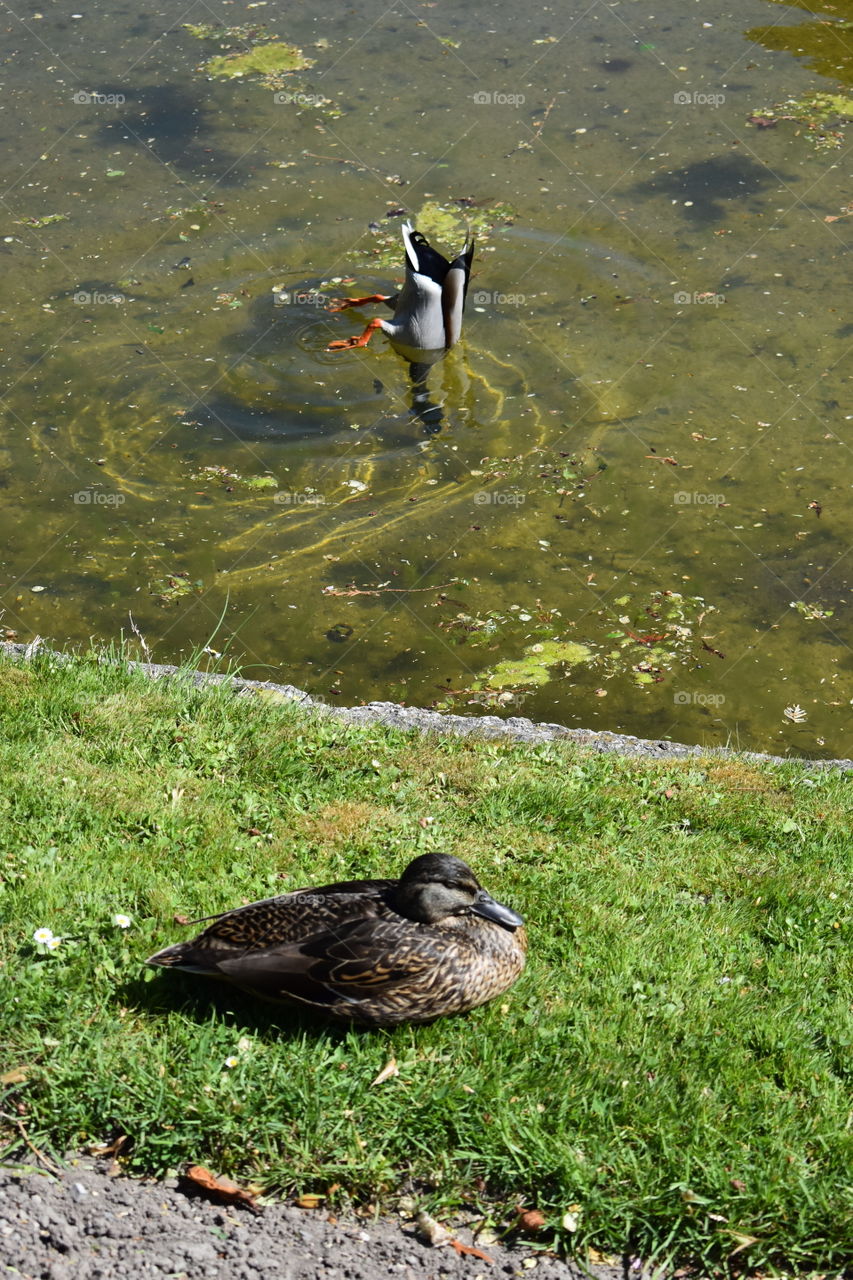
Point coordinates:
[(622, 501)]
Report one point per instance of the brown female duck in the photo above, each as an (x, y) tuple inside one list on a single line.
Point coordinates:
[(376, 952)]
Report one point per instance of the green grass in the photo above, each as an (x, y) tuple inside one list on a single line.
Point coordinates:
[(672, 1069)]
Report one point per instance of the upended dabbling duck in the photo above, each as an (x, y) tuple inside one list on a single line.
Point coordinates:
[(375, 952), (427, 310)]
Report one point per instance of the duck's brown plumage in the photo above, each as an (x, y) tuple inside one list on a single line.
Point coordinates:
[(376, 952)]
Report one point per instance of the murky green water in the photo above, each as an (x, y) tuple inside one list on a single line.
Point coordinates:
[(635, 513)]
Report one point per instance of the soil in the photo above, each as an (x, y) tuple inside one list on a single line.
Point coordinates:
[(83, 1223)]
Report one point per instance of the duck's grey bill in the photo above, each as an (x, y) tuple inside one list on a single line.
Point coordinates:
[(486, 906)]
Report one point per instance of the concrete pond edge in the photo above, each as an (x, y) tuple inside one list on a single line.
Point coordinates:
[(417, 719)]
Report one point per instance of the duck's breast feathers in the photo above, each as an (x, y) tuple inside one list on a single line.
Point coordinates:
[(421, 258)]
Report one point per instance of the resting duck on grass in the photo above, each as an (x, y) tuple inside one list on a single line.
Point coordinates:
[(375, 952), (427, 310)]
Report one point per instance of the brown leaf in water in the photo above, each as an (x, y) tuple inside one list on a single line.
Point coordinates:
[(219, 1188)]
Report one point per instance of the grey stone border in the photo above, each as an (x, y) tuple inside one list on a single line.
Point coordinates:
[(408, 719)]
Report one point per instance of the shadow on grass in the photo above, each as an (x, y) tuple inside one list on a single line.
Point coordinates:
[(196, 998)]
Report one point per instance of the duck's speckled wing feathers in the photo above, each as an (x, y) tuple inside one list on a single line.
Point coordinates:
[(351, 963)]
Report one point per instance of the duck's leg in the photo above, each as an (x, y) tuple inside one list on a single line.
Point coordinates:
[(341, 344), (341, 304)]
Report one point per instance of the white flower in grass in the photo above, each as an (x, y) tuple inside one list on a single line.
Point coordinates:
[(53, 944), (122, 921), (232, 1061), (43, 937)]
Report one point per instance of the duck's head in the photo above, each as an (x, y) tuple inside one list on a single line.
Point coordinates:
[(436, 885)]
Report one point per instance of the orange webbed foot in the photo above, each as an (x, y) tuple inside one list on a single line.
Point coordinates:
[(342, 344), (341, 304)]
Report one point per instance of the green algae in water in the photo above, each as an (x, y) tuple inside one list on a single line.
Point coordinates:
[(448, 223), (826, 43), (534, 667), (174, 586), (264, 60), (230, 478), (823, 114)]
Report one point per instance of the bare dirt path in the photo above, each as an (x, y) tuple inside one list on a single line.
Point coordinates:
[(84, 1224)]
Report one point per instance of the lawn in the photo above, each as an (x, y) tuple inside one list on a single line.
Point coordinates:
[(670, 1076)]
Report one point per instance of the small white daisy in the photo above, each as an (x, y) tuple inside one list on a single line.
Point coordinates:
[(232, 1061), (43, 937), (53, 944), (122, 921)]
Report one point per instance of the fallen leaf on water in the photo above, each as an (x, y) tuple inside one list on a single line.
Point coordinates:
[(219, 1188), (390, 1069)]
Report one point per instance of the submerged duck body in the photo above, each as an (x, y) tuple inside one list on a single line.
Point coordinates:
[(427, 310), (375, 952)]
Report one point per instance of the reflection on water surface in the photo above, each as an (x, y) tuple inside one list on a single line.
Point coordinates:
[(622, 501)]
